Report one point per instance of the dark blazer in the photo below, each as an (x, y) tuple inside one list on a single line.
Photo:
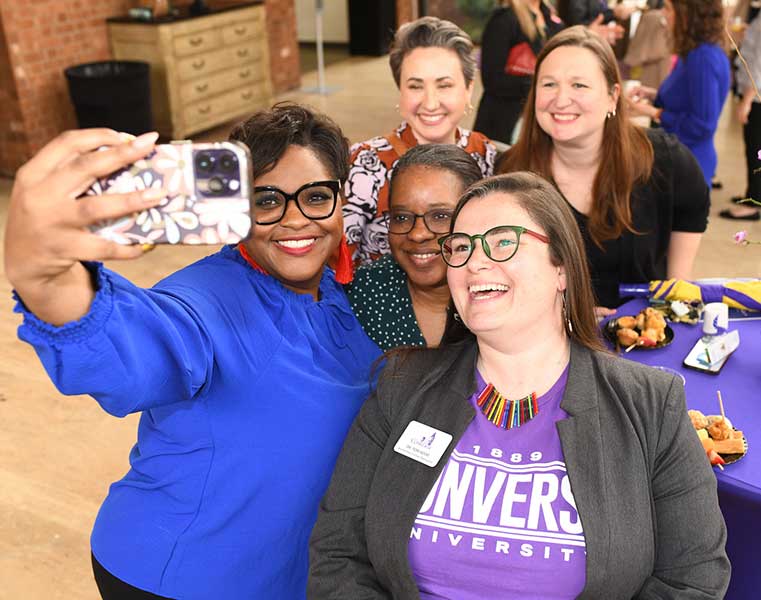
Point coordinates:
[(644, 490)]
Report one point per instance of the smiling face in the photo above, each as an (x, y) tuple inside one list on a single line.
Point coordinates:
[(433, 94), (572, 97), (519, 297), (295, 249), (420, 190)]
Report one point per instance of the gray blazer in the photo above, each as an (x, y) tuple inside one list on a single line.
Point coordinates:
[(644, 490)]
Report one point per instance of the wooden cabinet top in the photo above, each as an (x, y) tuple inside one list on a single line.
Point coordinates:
[(183, 14)]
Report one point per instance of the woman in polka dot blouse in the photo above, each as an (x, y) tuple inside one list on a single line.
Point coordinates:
[(401, 298)]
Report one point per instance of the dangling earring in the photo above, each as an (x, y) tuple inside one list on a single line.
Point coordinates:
[(566, 318), (469, 109), (456, 317), (344, 263), (396, 107), (610, 114)]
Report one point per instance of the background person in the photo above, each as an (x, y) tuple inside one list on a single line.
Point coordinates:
[(512, 37), (749, 114), (689, 102), (590, 487), (401, 299), (637, 195), (231, 360), (433, 66)]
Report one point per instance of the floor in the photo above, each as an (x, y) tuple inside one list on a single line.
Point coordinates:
[(58, 454)]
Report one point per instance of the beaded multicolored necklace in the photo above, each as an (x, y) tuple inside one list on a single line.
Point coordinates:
[(504, 413)]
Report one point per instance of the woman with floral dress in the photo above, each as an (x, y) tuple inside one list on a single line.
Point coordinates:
[(433, 66)]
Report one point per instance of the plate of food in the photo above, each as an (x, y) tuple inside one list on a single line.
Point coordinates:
[(647, 330), (722, 442)]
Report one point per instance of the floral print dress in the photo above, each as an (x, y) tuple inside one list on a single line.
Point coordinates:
[(366, 189)]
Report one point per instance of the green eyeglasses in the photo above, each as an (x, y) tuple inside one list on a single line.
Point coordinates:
[(499, 243)]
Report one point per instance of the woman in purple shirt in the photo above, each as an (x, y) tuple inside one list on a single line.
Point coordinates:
[(518, 459)]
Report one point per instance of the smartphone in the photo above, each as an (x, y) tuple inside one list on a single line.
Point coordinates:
[(208, 189), (697, 359)]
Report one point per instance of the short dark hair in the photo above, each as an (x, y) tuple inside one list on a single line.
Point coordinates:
[(544, 204), (446, 157), (432, 32), (269, 133)]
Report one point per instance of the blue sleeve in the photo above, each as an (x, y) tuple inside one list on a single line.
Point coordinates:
[(704, 98), (134, 350)]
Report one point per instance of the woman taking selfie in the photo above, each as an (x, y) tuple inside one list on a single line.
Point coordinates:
[(588, 482), (246, 366), (401, 298), (638, 196), (433, 67)]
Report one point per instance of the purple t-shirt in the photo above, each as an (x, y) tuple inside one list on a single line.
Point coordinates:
[(501, 522)]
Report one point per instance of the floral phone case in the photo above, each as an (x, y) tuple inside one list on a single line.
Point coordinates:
[(208, 192)]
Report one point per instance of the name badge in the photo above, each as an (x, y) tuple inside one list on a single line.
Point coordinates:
[(423, 443)]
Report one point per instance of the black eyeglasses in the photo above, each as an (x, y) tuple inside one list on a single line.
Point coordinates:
[(437, 220), (499, 243), (316, 201)]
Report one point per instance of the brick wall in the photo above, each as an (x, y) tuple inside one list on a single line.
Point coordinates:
[(406, 10), (12, 140), (39, 39)]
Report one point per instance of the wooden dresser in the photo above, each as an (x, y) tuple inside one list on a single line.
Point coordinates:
[(205, 70)]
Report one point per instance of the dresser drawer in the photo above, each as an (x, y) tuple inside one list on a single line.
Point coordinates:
[(201, 65), (236, 100), (228, 79), (245, 30), (203, 41)]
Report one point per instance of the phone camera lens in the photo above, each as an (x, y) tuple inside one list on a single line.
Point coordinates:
[(228, 163), (204, 162), (216, 185)]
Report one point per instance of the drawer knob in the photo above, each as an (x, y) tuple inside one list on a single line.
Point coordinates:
[(243, 52), (240, 30), (199, 65), (204, 110), (195, 42), (244, 74), (202, 87)]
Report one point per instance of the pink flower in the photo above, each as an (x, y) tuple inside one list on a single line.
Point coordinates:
[(741, 237)]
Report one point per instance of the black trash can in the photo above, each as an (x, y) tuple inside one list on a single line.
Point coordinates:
[(112, 93), (371, 26)]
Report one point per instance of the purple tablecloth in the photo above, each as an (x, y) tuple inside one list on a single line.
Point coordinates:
[(740, 483)]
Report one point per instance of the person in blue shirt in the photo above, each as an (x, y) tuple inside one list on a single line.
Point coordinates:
[(248, 366), (689, 102)]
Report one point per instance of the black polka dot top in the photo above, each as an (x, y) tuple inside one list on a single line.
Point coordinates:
[(381, 300)]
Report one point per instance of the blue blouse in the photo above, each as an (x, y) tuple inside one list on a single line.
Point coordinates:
[(247, 391), (692, 97)]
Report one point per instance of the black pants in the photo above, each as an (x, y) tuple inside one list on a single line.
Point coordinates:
[(752, 137), (112, 588)]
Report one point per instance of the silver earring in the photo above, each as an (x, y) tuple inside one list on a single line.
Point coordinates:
[(610, 114), (456, 316), (566, 318)]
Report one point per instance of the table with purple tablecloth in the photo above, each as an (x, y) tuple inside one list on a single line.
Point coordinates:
[(740, 483)]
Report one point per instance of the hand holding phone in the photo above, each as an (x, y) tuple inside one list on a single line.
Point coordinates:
[(47, 237), (208, 188)]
